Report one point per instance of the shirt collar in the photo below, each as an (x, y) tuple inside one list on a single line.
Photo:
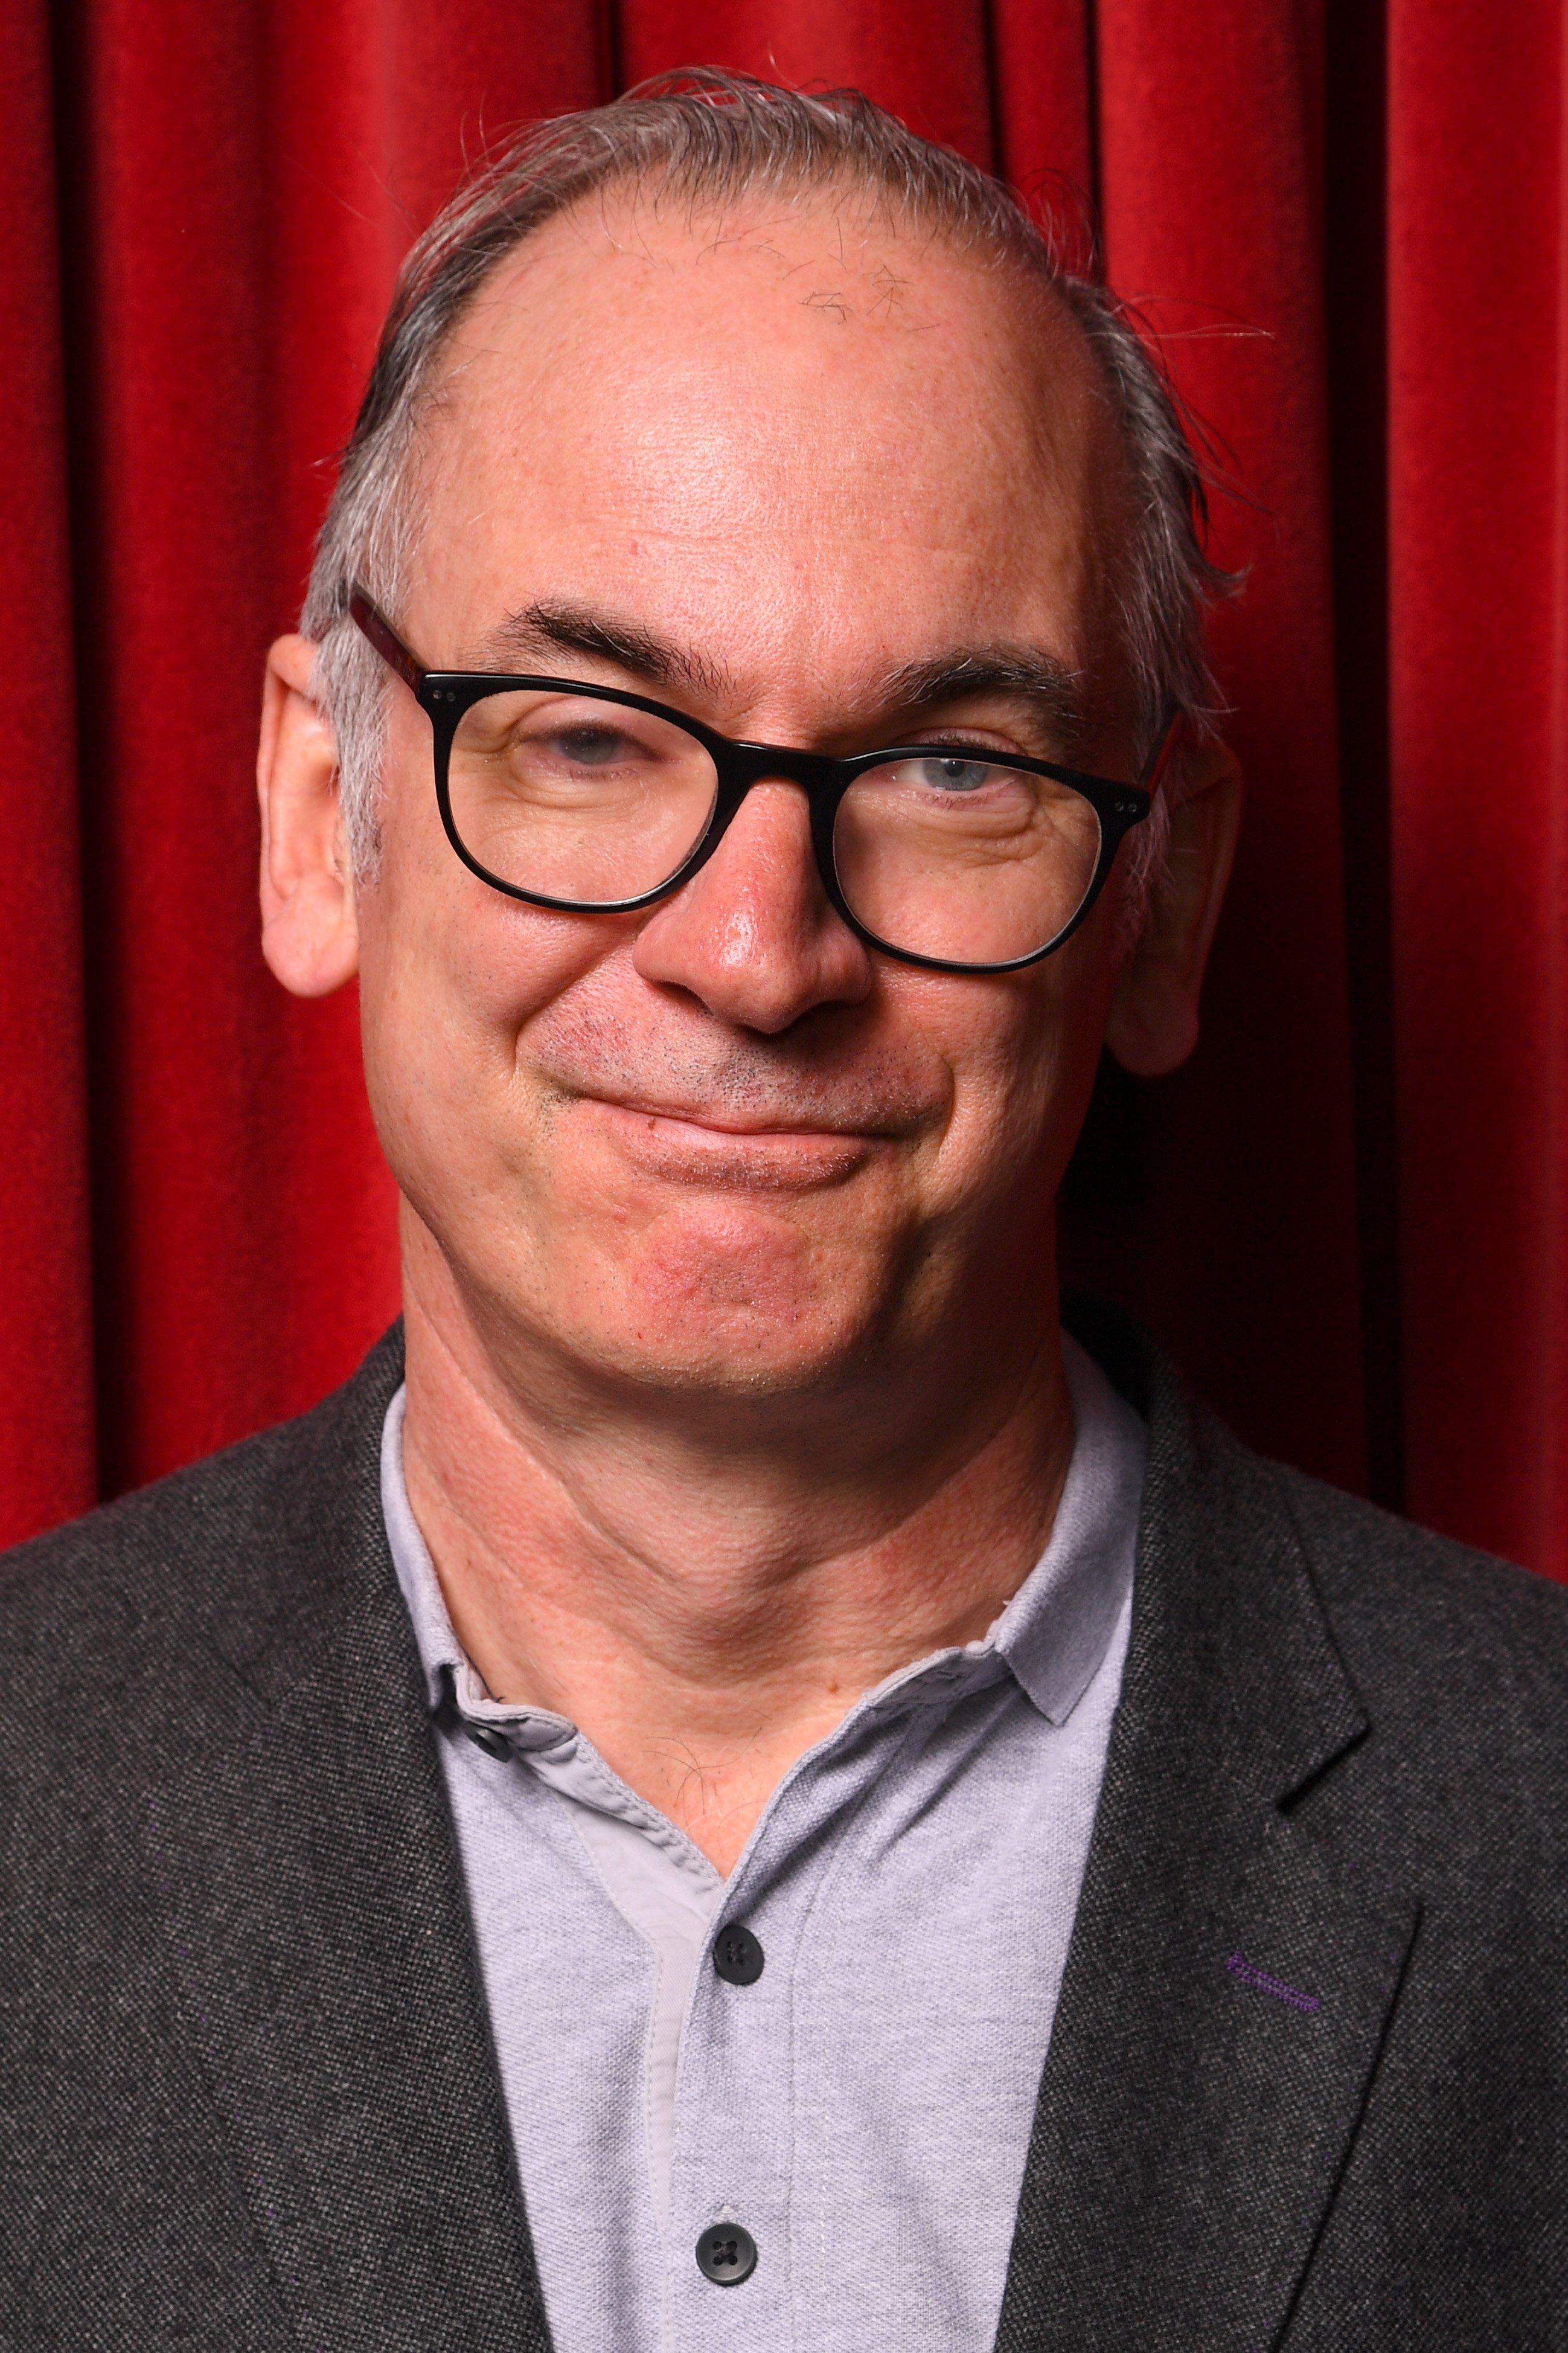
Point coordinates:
[(1052, 1637), (1055, 1631)]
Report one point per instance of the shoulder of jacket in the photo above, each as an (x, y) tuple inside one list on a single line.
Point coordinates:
[(82, 1605), (1435, 1624)]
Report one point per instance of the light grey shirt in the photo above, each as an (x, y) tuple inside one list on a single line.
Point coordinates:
[(863, 2108)]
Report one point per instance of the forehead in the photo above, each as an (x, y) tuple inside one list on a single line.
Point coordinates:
[(764, 417)]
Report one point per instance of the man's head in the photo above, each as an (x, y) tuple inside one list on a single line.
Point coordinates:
[(756, 404)]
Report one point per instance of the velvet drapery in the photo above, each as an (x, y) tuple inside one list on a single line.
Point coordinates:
[(1345, 223)]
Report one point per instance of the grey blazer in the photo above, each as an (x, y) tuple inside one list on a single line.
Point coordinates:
[(1307, 2085)]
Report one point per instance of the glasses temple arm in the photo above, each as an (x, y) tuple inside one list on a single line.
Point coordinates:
[(1160, 759), (386, 640)]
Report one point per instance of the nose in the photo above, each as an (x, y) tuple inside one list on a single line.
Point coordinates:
[(753, 935)]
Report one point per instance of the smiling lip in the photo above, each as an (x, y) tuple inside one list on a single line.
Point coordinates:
[(735, 1126), (726, 1150)]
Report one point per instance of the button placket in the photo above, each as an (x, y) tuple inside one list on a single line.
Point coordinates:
[(729, 2201), (735, 2131)]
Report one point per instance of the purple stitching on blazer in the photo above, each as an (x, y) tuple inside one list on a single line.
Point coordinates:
[(1261, 1982)]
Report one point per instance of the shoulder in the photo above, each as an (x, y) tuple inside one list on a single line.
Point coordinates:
[(1403, 1603), (1378, 1563), (1453, 1664), (1457, 1661), (1426, 1624), (218, 1551)]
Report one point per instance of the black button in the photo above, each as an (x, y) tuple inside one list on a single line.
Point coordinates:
[(486, 1736), (726, 2255), (737, 1957)]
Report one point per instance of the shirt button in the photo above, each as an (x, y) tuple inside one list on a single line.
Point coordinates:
[(489, 1738), (726, 2255), (737, 1957)]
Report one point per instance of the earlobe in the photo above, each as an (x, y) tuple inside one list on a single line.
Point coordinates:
[(1152, 1024), (310, 931)]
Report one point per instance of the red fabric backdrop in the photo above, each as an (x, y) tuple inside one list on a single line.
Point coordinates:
[(1346, 1215)]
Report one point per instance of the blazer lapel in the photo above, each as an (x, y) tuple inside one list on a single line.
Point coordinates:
[(1237, 1948), (308, 1867)]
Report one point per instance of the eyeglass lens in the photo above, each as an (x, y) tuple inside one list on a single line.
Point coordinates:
[(967, 860)]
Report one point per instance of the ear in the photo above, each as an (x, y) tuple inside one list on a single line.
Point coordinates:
[(1152, 1024), (310, 933)]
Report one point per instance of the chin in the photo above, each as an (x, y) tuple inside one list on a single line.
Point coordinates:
[(776, 1319)]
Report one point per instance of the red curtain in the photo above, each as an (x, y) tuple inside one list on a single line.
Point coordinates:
[(1344, 225)]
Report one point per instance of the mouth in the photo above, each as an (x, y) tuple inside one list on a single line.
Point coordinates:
[(773, 1151)]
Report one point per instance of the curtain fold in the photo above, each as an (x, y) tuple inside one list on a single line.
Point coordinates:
[(1344, 1216), (1477, 525), (1211, 203), (48, 1466)]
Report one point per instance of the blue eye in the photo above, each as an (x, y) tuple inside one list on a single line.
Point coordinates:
[(954, 776)]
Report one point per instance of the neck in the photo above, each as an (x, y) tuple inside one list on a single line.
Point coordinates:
[(705, 1603)]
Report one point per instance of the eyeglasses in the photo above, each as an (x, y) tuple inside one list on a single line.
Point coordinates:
[(594, 802)]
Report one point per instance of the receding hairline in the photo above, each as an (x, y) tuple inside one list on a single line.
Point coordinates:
[(1097, 477), (622, 197)]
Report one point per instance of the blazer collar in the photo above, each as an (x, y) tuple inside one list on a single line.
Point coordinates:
[(310, 1877), (1239, 1939)]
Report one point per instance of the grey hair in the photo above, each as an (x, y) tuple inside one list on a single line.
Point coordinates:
[(713, 138)]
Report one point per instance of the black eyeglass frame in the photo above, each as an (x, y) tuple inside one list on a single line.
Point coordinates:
[(446, 696)]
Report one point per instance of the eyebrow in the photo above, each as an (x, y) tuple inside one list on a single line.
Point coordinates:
[(540, 630), (1054, 690)]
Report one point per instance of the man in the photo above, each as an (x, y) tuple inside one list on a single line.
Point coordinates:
[(737, 1787)]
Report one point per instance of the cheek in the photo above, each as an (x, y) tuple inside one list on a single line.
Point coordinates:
[(1023, 1053), (450, 974)]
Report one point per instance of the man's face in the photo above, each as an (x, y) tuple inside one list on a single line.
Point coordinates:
[(719, 1147)]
